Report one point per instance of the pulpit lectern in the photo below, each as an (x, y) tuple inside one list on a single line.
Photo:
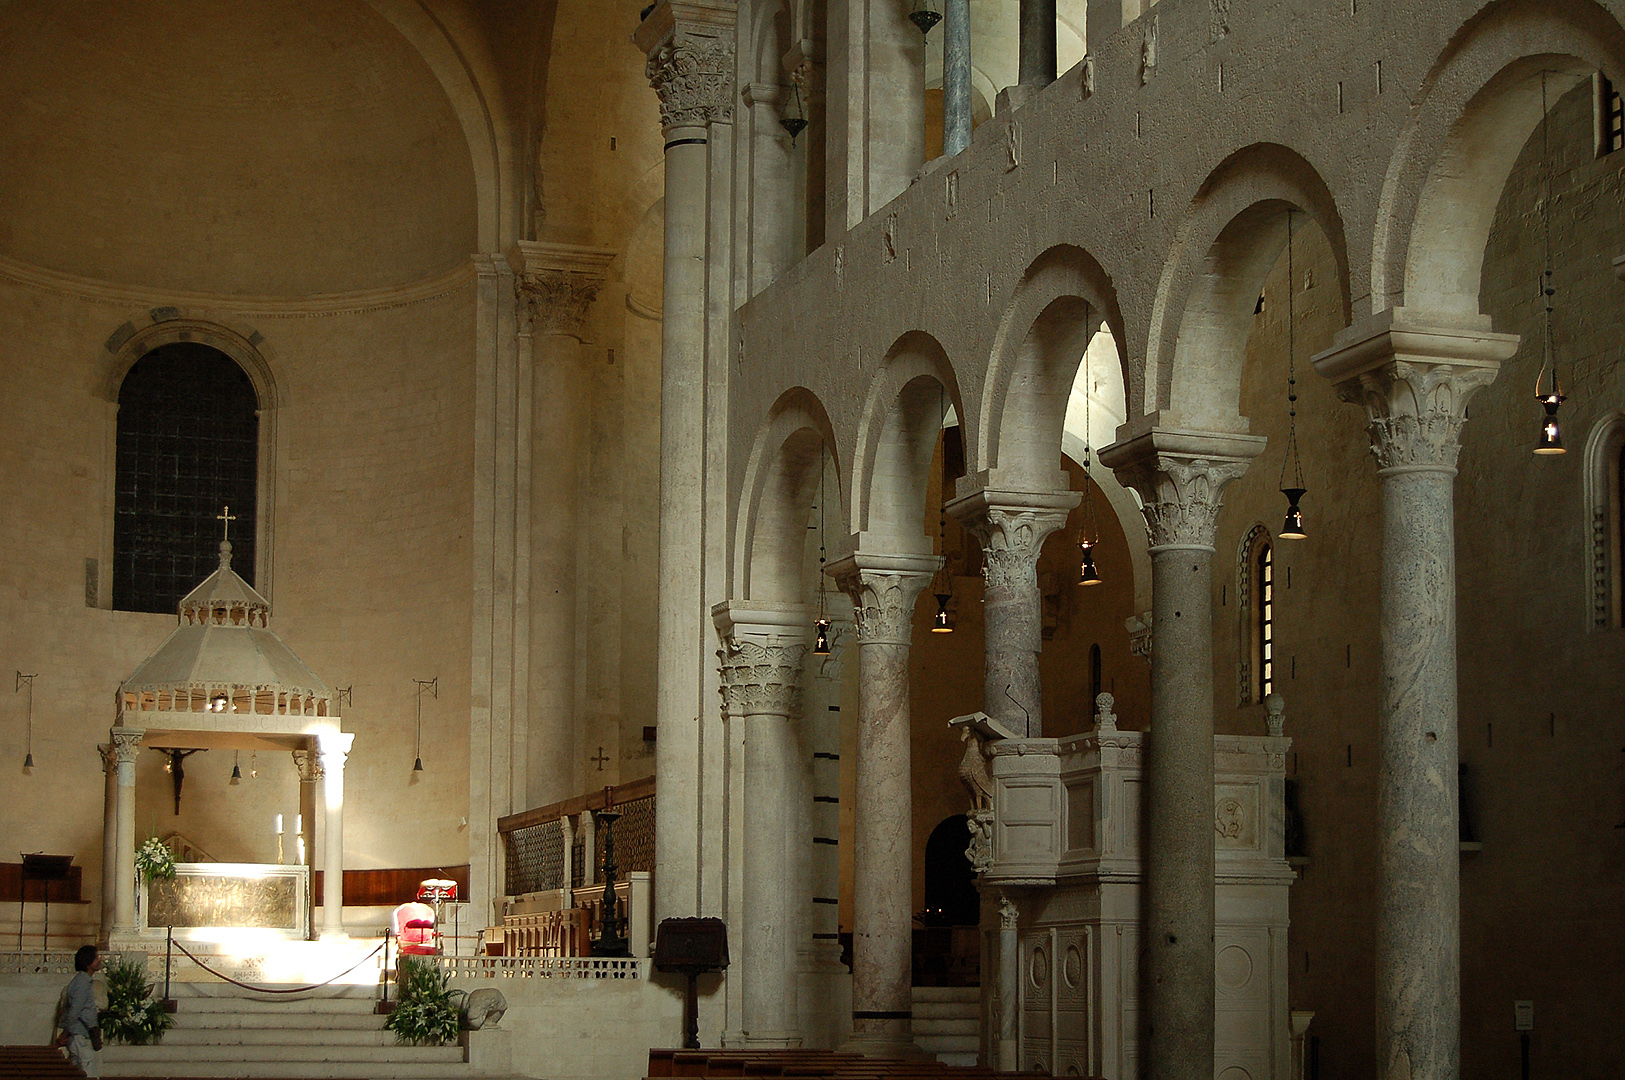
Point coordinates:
[(45, 868), (691, 947)]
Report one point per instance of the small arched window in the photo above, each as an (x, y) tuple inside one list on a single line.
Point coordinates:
[(1605, 505), (187, 446), (1255, 588)]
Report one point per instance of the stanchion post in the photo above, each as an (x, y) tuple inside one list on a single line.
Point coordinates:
[(169, 964), (384, 1006)]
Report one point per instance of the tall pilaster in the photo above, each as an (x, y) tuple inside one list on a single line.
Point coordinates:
[(1414, 380), (1012, 527), (556, 285), (875, 108), (1180, 477), (883, 589), (690, 46), (761, 655), (109, 837), (334, 748), (126, 743)]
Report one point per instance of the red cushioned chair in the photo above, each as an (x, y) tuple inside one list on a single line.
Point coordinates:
[(414, 928)]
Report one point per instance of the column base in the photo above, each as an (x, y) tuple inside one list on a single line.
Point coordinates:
[(885, 1044), (340, 934)]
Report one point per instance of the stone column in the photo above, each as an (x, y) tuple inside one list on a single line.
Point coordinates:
[(556, 285), (126, 742), (1180, 476), (883, 589), (1012, 527), (309, 765), (956, 88), (822, 755), (1414, 380), (691, 67), (1037, 62), (761, 655), (334, 747), (109, 837)]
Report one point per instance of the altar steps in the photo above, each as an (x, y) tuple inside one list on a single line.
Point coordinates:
[(36, 1063), (947, 1023), (333, 1036)]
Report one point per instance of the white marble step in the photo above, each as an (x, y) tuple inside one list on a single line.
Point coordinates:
[(359, 1021), (277, 1036), (328, 1005), (291, 1070), (947, 993), (167, 1051), (947, 1023)]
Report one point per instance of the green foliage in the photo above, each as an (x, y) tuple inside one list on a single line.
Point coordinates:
[(153, 862), (130, 1017), (426, 1013)]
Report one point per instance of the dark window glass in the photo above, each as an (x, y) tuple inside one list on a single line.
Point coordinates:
[(1264, 621), (1613, 128), (188, 445)]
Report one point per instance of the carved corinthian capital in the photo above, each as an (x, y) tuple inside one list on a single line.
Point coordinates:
[(309, 765), (126, 744), (556, 285), (1180, 477), (690, 45), (1012, 527), (759, 678), (883, 590), (1414, 374)]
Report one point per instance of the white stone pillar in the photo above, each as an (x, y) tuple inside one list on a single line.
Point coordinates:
[(334, 747), (309, 765), (126, 742), (556, 285), (1008, 987), (109, 837), (883, 589), (761, 654), (1414, 380), (1180, 476), (690, 46), (1012, 527)]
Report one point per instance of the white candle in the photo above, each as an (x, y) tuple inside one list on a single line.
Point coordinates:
[(279, 824)]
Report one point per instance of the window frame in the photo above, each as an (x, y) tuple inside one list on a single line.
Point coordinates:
[(1255, 596), (1605, 516)]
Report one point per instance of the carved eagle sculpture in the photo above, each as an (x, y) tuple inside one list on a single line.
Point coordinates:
[(973, 770)]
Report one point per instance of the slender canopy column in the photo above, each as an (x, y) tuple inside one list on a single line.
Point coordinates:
[(126, 743), (690, 46), (762, 650), (883, 589), (109, 836), (334, 747), (1012, 527), (1037, 63), (1414, 381), (1180, 476)]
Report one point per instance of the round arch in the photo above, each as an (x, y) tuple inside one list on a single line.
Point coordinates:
[(1202, 314), (794, 452), (1478, 107)]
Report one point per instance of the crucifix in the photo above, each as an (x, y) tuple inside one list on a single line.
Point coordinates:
[(227, 517), (601, 758), (177, 772)]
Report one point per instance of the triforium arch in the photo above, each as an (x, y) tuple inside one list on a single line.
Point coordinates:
[(1478, 107), (897, 437), (794, 455), (1235, 231), (1062, 300)]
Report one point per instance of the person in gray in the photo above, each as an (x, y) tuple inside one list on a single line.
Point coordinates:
[(80, 1029)]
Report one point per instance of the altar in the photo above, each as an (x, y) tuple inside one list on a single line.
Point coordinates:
[(203, 899)]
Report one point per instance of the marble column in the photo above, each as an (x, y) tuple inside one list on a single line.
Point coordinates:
[(1180, 477), (334, 747), (690, 47), (1414, 376), (126, 742), (309, 765), (1012, 527), (883, 589), (956, 85), (556, 285), (761, 655), (1036, 65), (109, 837)]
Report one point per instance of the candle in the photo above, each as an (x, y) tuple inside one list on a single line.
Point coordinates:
[(279, 824)]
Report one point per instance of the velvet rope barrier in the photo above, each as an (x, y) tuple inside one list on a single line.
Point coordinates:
[(276, 990)]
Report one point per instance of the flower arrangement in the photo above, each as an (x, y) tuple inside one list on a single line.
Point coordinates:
[(427, 1011), (153, 861), (130, 1016)]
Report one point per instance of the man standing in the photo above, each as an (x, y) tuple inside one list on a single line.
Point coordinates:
[(81, 1030)]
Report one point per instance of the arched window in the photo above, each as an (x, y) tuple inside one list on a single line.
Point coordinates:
[(1255, 589), (188, 445), (1605, 504)]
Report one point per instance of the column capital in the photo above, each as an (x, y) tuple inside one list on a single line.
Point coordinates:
[(109, 759), (334, 747), (557, 283), (690, 45), (883, 589), (1180, 477), (309, 765), (1415, 373), (126, 743), (1012, 527), (760, 659)]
